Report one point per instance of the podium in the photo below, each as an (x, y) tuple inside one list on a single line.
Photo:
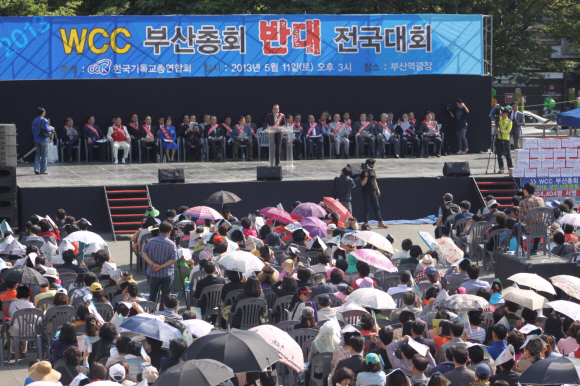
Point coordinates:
[(286, 132)]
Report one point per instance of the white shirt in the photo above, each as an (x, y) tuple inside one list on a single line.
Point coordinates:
[(399, 289)]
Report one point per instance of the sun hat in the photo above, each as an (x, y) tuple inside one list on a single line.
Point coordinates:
[(427, 261), (51, 272), (151, 374), (43, 371), (151, 212)]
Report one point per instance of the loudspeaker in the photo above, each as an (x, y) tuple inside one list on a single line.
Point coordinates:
[(171, 176), (270, 173), (8, 196), (456, 169)]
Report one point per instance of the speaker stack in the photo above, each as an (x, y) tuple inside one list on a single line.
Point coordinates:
[(8, 188)]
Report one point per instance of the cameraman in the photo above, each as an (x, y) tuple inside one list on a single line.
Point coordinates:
[(495, 114), (370, 191), (342, 187)]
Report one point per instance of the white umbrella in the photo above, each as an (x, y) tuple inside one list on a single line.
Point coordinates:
[(570, 309), (241, 261), (533, 281), (525, 298), (86, 237), (198, 327), (349, 306), (376, 240), (372, 298), (571, 219)]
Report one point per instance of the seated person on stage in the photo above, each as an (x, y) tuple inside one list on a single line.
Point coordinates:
[(408, 135), (339, 132), (313, 132), (430, 134), (70, 138), (296, 137), (168, 137), (237, 135), (148, 140), (133, 129), (215, 135), (412, 118), (324, 120), (385, 132), (227, 125), (119, 137), (254, 134), (93, 134), (193, 134), (363, 131)]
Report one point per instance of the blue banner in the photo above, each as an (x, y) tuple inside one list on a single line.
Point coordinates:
[(96, 47)]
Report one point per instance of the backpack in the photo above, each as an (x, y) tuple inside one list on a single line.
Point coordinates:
[(449, 209)]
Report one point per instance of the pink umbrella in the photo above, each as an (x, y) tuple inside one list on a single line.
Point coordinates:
[(315, 226), (203, 212), (374, 258), (309, 209), (276, 214), (288, 349), (337, 207)]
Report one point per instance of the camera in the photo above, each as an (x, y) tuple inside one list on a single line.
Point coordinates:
[(449, 107), (365, 167), (497, 113)]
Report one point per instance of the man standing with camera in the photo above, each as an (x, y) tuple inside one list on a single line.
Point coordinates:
[(342, 187), (370, 191)]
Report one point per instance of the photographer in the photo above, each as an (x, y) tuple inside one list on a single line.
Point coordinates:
[(502, 142), (370, 191), (342, 187), (495, 114), (460, 113)]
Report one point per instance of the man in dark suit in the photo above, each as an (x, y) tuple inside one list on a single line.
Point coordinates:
[(92, 133), (313, 132), (517, 119), (215, 135), (276, 119), (417, 330), (321, 287), (385, 132), (460, 375), (70, 138), (133, 129), (210, 279), (148, 137), (363, 131), (506, 373), (355, 362)]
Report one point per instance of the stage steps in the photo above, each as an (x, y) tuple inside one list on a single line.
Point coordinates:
[(127, 206), (502, 188)]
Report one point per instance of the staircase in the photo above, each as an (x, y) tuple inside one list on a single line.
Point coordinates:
[(502, 188), (127, 205)]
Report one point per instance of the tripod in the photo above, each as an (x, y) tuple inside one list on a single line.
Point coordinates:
[(491, 151)]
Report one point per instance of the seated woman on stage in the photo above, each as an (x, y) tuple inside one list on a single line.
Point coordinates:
[(168, 139)]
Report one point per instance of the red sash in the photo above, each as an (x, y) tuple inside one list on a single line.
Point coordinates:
[(148, 131), (429, 125), (414, 121), (363, 127), (385, 127), (92, 128), (240, 129), (338, 127), (280, 116), (348, 123), (211, 129), (66, 128), (165, 133), (312, 126), (118, 134), (297, 125), (229, 129), (323, 123), (134, 126)]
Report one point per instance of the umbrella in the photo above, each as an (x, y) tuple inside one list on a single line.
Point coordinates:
[(222, 197), (11, 246), (203, 212), (431, 242), (86, 237), (202, 372), (152, 327), (372, 298), (464, 302), (315, 226), (337, 207), (309, 209), (569, 284), (277, 214), (552, 371), (376, 240), (241, 350), (450, 251), (571, 219), (533, 281), (570, 309), (198, 327), (525, 298), (349, 306), (23, 276), (241, 261), (374, 258), (288, 349)]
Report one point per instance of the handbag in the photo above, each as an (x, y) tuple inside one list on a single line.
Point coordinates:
[(43, 133)]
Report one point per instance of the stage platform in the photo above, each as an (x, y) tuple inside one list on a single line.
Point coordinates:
[(107, 174)]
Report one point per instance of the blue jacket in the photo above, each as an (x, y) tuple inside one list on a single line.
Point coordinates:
[(496, 348), (88, 133), (246, 129), (40, 123), (318, 130)]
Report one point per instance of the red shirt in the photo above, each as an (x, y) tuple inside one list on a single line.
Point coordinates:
[(56, 234), (8, 295)]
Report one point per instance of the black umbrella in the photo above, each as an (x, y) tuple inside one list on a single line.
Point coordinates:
[(205, 372), (553, 371), (23, 276), (222, 197), (241, 350)]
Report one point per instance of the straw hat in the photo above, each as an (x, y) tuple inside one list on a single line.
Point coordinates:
[(427, 261), (43, 371)]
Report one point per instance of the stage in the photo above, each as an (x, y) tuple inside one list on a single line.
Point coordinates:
[(107, 174)]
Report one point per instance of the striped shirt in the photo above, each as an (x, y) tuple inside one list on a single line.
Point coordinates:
[(529, 203), (160, 250)]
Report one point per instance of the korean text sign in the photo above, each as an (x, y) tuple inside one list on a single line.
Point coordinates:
[(555, 188), (239, 45)]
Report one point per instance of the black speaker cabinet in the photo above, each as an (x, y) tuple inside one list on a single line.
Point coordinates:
[(456, 169), (270, 173), (171, 176)]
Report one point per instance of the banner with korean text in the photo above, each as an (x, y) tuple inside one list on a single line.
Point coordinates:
[(99, 47)]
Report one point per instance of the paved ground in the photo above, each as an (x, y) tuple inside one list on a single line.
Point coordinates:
[(12, 375)]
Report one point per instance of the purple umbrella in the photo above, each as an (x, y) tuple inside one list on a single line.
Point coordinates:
[(308, 209), (315, 226)]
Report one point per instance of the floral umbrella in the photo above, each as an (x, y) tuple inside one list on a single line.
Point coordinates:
[(276, 214), (375, 259), (569, 284), (376, 240), (571, 219), (570, 309), (431, 242), (287, 348), (372, 298), (241, 261), (449, 250), (464, 302)]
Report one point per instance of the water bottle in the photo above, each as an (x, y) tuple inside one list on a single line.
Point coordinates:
[(520, 253), (164, 158), (158, 158), (243, 156)]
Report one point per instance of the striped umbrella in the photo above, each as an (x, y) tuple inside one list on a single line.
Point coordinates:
[(569, 284), (203, 212), (276, 214)]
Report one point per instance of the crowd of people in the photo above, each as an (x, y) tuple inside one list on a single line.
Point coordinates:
[(338, 130)]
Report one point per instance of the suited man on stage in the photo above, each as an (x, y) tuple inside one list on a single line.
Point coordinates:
[(276, 119), (363, 131), (517, 119), (313, 132), (385, 132), (148, 137), (133, 129), (93, 133)]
